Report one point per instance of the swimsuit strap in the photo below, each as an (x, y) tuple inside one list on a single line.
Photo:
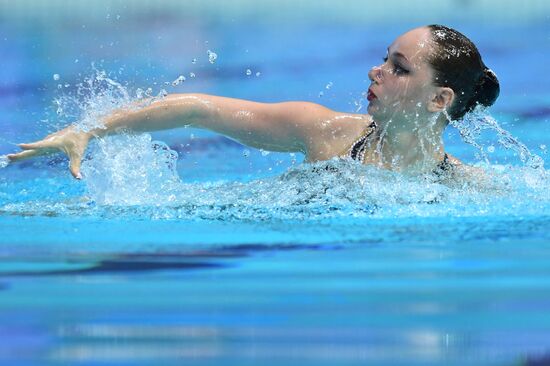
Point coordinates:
[(358, 148), (443, 167)]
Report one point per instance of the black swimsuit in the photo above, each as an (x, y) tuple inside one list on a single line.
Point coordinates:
[(359, 147), (357, 150), (444, 167)]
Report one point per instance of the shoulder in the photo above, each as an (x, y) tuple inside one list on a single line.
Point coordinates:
[(333, 132), (319, 114), (318, 121), (331, 123), (464, 172), (324, 132)]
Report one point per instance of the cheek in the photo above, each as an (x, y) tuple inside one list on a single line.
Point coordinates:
[(393, 91), (403, 90), (413, 92)]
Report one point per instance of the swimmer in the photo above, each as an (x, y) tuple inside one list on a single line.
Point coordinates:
[(429, 76)]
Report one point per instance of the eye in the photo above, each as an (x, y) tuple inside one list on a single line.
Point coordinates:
[(397, 70)]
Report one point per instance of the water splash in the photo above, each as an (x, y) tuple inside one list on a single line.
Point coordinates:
[(133, 176), (141, 182), (130, 170), (4, 161), (473, 123), (96, 96)]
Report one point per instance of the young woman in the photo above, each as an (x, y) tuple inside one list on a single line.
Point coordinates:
[(430, 75)]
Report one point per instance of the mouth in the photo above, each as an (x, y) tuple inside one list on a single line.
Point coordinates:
[(370, 95)]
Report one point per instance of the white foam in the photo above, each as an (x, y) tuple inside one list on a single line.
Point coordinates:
[(4, 161), (130, 170)]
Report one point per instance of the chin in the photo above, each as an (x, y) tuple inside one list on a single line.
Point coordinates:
[(373, 110)]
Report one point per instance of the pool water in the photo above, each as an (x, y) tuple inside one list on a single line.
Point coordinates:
[(240, 256)]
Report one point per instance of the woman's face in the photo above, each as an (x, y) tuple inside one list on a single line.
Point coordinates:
[(402, 86)]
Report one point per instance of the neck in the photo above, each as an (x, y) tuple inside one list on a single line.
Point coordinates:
[(397, 146)]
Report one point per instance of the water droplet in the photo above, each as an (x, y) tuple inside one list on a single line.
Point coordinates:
[(118, 17), (56, 77), (246, 153), (212, 56), (265, 153), (543, 148), (321, 94), (258, 74), (192, 75), (178, 81), (76, 61), (329, 85), (248, 72), (194, 61), (491, 149)]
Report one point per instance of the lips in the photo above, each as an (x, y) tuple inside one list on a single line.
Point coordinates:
[(370, 95)]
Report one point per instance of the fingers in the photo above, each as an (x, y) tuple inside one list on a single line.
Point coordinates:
[(23, 155), (74, 167), (74, 164), (73, 143), (35, 145)]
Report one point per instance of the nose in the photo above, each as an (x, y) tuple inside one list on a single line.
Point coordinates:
[(375, 74)]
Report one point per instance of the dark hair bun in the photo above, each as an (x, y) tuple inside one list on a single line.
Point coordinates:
[(488, 88), (457, 64)]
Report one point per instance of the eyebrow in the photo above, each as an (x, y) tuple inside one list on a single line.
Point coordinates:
[(398, 54)]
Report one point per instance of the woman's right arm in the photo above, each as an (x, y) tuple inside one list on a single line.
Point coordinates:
[(285, 127)]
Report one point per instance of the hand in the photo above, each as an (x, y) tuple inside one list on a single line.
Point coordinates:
[(70, 140)]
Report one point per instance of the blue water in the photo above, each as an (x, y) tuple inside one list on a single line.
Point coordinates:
[(236, 256)]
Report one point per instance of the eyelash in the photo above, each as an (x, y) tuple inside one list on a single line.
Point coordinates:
[(397, 69)]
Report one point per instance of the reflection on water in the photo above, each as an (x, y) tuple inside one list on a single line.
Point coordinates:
[(425, 303), (136, 262)]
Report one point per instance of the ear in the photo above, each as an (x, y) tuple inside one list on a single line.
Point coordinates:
[(442, 99)]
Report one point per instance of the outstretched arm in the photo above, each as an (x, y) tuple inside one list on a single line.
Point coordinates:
[(272, 126), (289, 126)]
